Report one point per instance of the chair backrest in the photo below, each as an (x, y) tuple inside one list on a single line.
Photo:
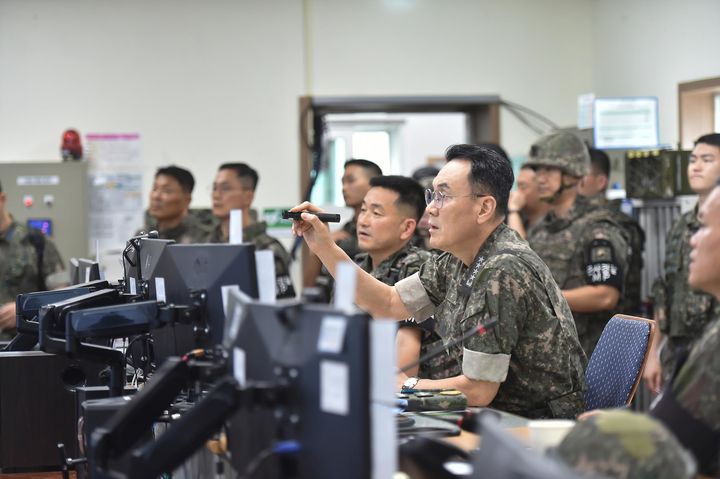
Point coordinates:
[(616, 365)]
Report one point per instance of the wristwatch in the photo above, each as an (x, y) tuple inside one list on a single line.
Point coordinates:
[(410, 383)]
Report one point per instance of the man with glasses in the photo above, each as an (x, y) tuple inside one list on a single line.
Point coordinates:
[(170, 199), (234, 189), (531, 362), (584, 246)]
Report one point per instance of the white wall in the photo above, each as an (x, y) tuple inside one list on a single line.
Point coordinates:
[(647, 47), (531, 52), (206, 82), (203, 82), (429, 135)]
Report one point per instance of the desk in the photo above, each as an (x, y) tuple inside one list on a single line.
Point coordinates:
[(37, 475), (467, 441)]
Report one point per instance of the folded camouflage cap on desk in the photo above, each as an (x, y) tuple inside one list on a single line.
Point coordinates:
[(624, 444)]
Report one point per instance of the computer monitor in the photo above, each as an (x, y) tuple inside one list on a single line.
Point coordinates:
[(74, 271), (323, 356), (87, 270), (139, 259), (626, 123), (43, 225), (181, 272)]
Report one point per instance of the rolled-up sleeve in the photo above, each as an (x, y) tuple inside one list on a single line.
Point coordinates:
[(415, 298), (481, 366)]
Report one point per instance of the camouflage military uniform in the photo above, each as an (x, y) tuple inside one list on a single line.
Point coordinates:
[(400, 265), (683, 312), (585, 248), (533, 351), (625, 445), (256, 234), (632, 299), (19, 265), (697, 384), (690, 407), (189, 231), (349, 245)]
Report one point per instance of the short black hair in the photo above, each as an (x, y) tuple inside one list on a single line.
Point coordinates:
[(496, 148), (410, 193), (599, 161), (244, 172), (370, 168), (490, 172), (183, 176), (425, 172), (709, 139)]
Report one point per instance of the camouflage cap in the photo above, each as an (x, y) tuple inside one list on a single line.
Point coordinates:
[(560, 150), (625, 444)]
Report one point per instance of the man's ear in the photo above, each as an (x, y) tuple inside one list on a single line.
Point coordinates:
[(604, 182), (251, 196), (486, 210), (407, 228)]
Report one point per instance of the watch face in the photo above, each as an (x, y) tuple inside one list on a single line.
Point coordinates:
[(410, 383)]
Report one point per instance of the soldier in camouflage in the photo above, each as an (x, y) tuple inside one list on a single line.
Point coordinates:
[(531, 362), (682, 311), (593, 186), (29, 262), (689, 403), (355, 185), (624, 445), (234, 189), (525, 209), (584, 247), (170, 198), (386, 223)]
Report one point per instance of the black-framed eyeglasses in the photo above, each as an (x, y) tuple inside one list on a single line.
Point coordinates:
[(439, 197)]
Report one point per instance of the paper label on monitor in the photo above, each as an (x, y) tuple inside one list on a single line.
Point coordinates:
[(334, 387), (239, 366), (265, 267), (133, 285), (160, 289), (332, 334), (345, 281), (87, 275), (236, 230)]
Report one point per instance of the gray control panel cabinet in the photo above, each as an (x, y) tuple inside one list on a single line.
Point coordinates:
[(52, 191)]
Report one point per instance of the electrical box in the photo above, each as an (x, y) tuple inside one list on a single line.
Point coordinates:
[(51, 197), (656, 174)]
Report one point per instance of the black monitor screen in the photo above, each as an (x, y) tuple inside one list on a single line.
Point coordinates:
[(329, 387), (139, 260), (185, 268)]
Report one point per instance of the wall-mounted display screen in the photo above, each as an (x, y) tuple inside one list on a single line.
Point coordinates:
[(626, 123)]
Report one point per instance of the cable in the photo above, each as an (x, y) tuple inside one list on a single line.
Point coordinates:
[(531, 112), (284, 447), (480, 329)]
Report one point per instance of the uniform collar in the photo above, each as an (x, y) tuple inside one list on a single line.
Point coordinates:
[(254, 230), (364, 259), (7, 235), (490, 244), (175, 232), (578, 209)]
